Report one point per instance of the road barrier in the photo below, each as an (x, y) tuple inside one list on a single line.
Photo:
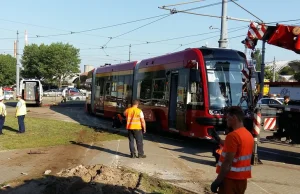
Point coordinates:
[(256, 131)]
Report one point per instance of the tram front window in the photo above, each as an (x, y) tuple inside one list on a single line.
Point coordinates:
[(224, 83)]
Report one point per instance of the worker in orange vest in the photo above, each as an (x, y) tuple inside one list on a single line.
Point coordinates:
[(136, 126), (234, 166)]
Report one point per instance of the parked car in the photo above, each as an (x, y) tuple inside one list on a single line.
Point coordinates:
[(70, 91), (77, 97), (8, 95), (52, 92), (265, 102)]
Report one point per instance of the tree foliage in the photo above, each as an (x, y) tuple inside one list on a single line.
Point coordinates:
[(258, 57), (53, 63), (297, 76), (287, 71), (7, 70), (295, 65), (269, 74)]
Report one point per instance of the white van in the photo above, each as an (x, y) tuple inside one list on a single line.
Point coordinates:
[(31, 91)]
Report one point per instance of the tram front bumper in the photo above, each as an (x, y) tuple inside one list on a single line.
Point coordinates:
[(211, 121)]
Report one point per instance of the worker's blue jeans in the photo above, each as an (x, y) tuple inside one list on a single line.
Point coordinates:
[(21, 123), (138, 136), (2, 120)]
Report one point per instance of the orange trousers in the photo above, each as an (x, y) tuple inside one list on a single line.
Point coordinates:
[(231, 186)]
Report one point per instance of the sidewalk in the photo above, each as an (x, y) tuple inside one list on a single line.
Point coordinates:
[(192, 168)]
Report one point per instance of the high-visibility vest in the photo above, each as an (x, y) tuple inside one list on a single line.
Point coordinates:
[(2, 109), (241, 165), (219, 151), (22, 109), (133, 118)]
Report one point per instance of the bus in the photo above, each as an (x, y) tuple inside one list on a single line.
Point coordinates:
[(31, 91), (184, 92)]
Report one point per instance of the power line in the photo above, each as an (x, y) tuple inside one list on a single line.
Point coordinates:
[(33, 25), (143, 26), (124, 23), (284, 21), (214, 36), (136, 29), (246, 10), (158, 41), (184, 3)]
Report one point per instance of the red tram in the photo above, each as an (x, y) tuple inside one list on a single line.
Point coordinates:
[(184, 92)]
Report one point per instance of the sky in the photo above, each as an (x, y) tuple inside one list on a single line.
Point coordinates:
[(53, 21)]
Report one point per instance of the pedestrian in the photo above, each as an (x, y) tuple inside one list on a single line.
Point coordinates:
[(136, 126), (286, 100), (2, 114), (20, 113), (234, 166)]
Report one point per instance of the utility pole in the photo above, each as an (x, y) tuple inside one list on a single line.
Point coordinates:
[(26, 38), (129, 52), (262, 70), (17, 65), (274, 66), (223, 38)]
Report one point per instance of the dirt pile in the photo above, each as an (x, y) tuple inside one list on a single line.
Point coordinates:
[(98, 179), (103, 179)]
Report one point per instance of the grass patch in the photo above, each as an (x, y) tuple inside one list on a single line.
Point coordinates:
[(157, 186), (45, 132)]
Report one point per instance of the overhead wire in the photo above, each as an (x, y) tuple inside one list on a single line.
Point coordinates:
[(33, 25), (184, 3), (233, 1)]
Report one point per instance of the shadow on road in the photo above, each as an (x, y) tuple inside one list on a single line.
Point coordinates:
[(75, 111), (100, 149), (276, 155), (67, 185), (199, 161)]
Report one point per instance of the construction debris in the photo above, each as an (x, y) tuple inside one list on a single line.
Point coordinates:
[(47, 172), (94, 179)]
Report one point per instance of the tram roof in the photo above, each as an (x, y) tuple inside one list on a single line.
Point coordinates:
[(116, 67)]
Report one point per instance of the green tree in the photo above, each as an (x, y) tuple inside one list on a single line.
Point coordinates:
[(287, 71), (53, 63), (297, 76), (269, 74), (258, 57), (7, 70), (295, 65), (31, 61)]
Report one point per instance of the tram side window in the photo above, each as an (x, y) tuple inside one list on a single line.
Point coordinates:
[(101, 84), (128, 89), (159, 88), (120, 87), (196, 89), (107, 89), (113, 92), (98, 88), (145, 89)]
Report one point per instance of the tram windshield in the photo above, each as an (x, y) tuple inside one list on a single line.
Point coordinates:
[(224, 82)]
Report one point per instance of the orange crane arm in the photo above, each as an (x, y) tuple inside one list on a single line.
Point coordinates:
[(284, 36)]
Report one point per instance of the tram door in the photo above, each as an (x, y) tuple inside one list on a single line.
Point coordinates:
[(178, 99)]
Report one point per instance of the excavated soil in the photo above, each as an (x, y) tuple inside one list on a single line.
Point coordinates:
[(98, 179)]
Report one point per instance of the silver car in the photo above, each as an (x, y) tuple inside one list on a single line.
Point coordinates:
[(78, 97), (265, 102), (52, 92), (8, 95)]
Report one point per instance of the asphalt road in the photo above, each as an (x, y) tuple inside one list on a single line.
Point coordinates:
[(73, 111)]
